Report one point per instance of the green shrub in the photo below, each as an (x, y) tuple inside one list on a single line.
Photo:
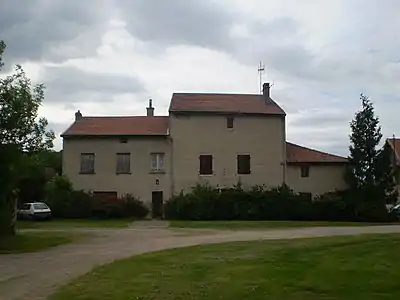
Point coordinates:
[(259, 203), (133, 207), (68, 203)]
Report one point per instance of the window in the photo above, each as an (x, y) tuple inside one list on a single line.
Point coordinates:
[(157, 162), (229, 122), (243, 164), (306, 196), (105, 195), (123, 164), (206, 164), (305, 171), (40, 206), (87, 163), (123, 140), (26, 207)]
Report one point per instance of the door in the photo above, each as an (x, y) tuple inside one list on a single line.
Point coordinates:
[(157, 204)]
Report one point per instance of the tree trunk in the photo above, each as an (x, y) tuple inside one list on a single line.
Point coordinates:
[(8, 217)]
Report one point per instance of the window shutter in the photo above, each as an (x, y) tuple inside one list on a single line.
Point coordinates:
[(206, 164), (87, 162), (243, 164), (123, 163)]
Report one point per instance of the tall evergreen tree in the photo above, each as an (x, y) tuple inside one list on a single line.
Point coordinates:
[(364, 140), (370, 173)]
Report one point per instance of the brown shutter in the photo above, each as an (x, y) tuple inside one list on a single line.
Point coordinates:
[(206, 164), (243, 164)]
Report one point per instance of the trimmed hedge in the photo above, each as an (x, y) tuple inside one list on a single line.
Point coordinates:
[(65, 202), (205, 202)]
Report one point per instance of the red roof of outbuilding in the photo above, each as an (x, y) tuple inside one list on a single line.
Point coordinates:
[(300, 154)]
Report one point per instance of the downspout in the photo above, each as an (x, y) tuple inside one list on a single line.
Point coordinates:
[(171, 161), (284, 152)]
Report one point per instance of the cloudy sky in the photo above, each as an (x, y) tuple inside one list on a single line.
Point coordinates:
[(107, 57)]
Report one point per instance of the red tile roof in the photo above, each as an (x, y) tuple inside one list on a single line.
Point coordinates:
[(395, 145), (135, 125), (223, 103), (300, 154)]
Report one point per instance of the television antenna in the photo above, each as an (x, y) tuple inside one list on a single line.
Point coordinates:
[(261, 70)]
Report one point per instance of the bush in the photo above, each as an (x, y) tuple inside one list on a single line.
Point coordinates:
[(67, 203), (205, 202), (133, 207)]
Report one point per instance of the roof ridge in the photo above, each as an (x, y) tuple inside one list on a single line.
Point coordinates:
[(214, 93), (315, 150), (122, 116)]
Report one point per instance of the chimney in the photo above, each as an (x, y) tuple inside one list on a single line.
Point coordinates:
[(150, 109), (266, 92), (78, 115)]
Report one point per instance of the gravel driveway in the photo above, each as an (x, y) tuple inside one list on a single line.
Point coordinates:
[(36, 275)]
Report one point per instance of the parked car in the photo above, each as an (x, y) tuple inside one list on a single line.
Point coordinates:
[(34, 211), (395, 210)]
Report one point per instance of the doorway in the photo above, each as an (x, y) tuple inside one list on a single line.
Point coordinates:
[(157, 204)]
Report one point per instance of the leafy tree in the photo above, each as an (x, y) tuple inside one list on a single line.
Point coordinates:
[(22, 134), (370, 175)]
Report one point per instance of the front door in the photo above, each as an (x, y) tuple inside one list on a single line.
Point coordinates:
[(157, 204)]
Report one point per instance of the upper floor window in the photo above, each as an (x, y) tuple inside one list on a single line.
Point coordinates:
[(123, 163), (87, 163), (157, 162), (123, 140), (243, 164), (305, 171), (229, 122), (206, 164)]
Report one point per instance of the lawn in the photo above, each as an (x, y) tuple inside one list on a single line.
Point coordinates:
[(75, 223), (32, 242), (361, 267), (236, 225)]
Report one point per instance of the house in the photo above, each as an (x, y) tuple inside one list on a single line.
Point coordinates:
[(206, 138), (394, 145)]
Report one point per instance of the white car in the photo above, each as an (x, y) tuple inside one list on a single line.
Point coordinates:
[(34, 211)]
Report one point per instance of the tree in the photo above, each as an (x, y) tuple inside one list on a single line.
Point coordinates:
[(22, 134), (370, 175)]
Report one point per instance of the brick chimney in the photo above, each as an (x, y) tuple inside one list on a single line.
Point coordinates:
[(266, 92), (78, 115), (150, 109)]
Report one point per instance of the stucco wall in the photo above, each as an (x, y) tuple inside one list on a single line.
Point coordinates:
[(140, 182), (322, 179), (261, 137)]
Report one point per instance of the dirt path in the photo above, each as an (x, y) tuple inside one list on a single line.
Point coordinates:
[(36, 275)]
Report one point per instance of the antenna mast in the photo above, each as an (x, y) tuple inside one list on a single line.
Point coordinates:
[(261, 70)]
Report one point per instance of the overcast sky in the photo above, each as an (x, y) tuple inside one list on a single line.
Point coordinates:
[(107, 57)]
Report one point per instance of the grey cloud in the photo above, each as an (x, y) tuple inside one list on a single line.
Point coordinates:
[(70, 84), (328, 139), (58, 128), (37, 29), (190, 22), (322, 118)]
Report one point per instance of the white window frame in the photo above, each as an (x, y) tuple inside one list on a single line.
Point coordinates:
[(157, 162)]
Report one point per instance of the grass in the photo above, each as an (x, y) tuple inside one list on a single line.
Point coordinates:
[(233, 225), (362, 267), (74, 223), (33, 242)]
